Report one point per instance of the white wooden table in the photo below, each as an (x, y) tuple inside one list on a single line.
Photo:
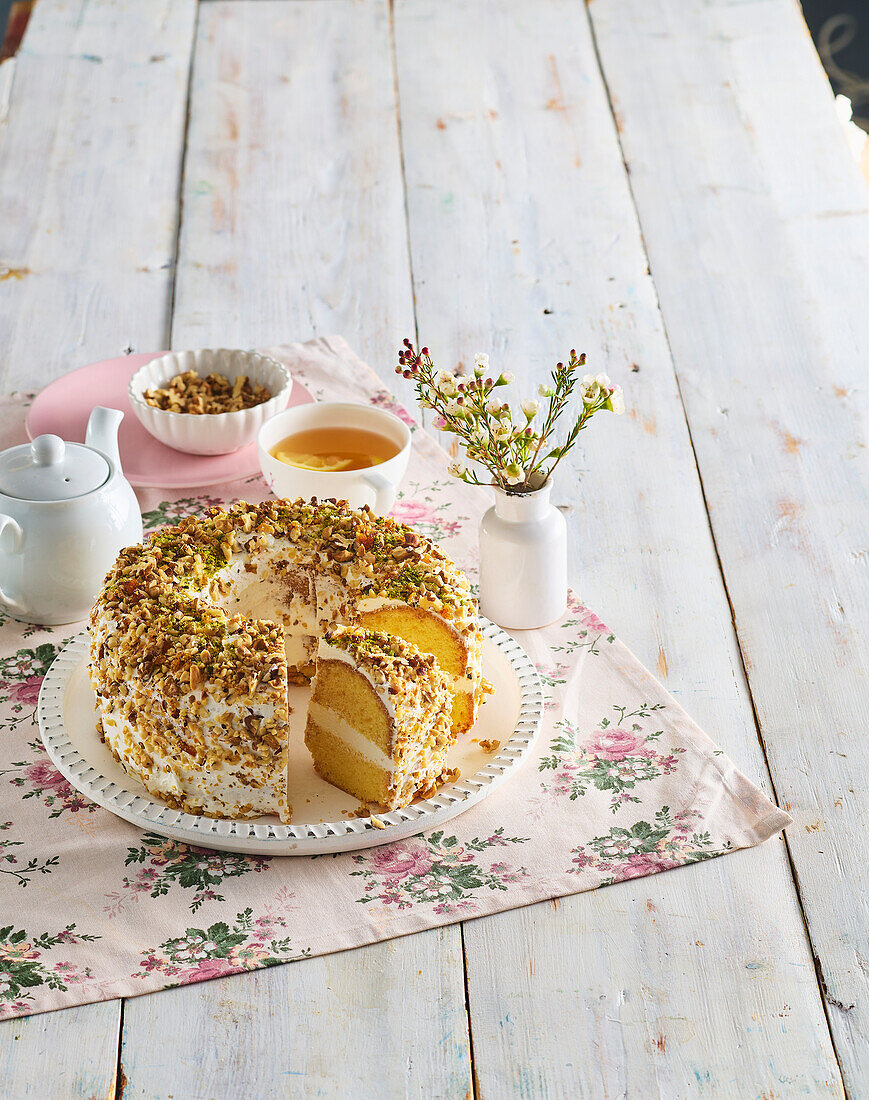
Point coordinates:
[(662, 183)]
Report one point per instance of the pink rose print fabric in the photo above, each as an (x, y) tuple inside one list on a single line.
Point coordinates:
[(27, 692), (614, 744), (621, 784)]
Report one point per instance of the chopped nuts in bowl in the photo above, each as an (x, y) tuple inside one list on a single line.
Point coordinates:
[(209, 401), (215, 393)]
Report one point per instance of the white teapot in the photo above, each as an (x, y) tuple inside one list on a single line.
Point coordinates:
[(66, 510)]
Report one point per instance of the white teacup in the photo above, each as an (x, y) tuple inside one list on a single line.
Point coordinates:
[(374, 486)]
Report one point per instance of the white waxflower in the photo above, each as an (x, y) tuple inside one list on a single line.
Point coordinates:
[(457, 468), (514, 474), (502, 431), (545, 391), (506, 377), (481, 361), (604, 382), (589, 389), (493, 407), (530, 408), (617, 400), (446, 383)]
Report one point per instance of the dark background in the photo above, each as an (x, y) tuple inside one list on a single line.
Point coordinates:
[(840, 29)]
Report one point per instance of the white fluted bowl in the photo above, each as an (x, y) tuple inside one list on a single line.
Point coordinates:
[(209, 433)]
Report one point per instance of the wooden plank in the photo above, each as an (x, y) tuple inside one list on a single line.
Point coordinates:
[(67, 1054), (293, 224), (384, 1020), (293, 205), (726, 111), (89, 164), (525, 243), (91, 124)]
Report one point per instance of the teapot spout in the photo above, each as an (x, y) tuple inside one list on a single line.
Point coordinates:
[(102, 432)]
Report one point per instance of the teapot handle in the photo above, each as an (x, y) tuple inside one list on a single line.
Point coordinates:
[(7, 522)]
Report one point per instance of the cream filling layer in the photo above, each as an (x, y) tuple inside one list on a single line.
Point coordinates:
[(339, 727)]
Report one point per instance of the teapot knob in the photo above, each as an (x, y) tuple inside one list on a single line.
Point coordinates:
[(47, 450)]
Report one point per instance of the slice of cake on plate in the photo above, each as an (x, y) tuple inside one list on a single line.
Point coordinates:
[(379, 721)]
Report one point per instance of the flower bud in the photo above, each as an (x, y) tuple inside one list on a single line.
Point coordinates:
[(530, 407)]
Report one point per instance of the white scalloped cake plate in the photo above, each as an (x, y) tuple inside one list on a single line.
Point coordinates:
[(322, 821)]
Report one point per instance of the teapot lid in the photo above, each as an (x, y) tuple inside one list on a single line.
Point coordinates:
[(49, 469)]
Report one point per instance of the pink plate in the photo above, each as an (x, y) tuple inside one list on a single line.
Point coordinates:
[(64, 406)]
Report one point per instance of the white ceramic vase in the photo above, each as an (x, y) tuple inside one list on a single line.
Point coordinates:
[(523, 560)]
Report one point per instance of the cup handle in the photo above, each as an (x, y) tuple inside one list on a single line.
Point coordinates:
[(384, 491), (8, 523)]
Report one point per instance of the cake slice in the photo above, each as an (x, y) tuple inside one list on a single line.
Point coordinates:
[(379, 718)]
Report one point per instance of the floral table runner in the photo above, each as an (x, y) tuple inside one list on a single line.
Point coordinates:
[(622, 783)]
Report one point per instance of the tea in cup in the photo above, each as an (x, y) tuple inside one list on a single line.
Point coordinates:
[(357, 453)]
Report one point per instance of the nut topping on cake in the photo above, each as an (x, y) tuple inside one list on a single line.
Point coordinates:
[(169, 656)]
